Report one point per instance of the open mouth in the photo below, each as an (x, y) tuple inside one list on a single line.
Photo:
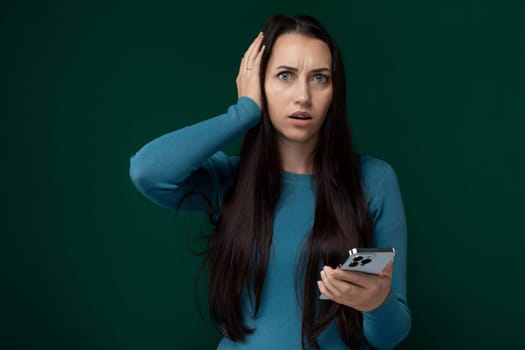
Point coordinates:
[(301, 116)]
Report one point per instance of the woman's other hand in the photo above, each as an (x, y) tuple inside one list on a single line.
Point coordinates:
[(248, 81), (357, 290)]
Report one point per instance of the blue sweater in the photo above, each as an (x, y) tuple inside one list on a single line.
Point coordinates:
[(167, 168)]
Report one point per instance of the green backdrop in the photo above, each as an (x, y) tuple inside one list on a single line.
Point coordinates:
[(436, 88)]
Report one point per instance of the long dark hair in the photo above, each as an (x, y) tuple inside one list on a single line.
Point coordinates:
[(239, 246)]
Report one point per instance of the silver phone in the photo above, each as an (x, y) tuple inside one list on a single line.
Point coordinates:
[(368, 260)]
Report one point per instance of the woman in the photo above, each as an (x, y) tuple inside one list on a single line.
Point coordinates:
[(289, 208)]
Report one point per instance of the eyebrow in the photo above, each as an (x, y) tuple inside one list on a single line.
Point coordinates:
[(293, 69)]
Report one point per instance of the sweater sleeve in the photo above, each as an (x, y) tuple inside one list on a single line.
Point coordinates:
[(188, 160), (389, 324)]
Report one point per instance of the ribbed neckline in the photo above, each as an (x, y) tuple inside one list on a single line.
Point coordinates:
[(298, 179)]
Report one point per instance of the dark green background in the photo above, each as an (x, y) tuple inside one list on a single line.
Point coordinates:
[(436, 88)]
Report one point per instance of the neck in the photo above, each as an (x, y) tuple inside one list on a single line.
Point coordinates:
[(296, 157)]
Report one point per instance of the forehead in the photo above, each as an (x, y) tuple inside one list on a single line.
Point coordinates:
[(298, 50)]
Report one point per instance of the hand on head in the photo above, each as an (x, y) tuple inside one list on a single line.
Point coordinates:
[(248, 80)]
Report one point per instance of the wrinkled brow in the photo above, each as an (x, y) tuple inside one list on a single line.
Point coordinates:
[(293, 69)]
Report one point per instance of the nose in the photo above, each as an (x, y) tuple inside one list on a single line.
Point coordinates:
[(303, 94)]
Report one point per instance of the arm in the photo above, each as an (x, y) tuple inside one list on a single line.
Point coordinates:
[(170, 167), (381, 298), (389, 324), (161, 169)]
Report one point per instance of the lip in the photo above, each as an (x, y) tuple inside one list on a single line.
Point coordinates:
[(301, 113), (300, 122)]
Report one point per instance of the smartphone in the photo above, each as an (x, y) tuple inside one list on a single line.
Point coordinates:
[(368, 260)]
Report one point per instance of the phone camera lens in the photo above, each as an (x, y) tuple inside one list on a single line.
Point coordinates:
[(366, 261), (353, 264), (358, 258)]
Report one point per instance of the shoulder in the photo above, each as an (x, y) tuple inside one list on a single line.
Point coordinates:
[(379, 182), (381, 190), (374, 172)]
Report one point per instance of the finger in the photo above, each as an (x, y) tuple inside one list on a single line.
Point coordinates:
[(337, 287), (246, 53), (323, 290), (388, 270), (254, 48), (332, 290), (252, 52), (357, 278), (342, 292), (257, 60)]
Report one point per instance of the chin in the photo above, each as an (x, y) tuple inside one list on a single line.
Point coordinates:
[(296, 138)]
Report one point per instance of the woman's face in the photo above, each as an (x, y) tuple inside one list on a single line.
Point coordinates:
[(298, 87)]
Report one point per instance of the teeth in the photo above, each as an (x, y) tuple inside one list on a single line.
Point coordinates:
[(301, 116)]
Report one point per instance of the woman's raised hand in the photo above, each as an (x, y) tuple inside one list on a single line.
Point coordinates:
[(248, 80)]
